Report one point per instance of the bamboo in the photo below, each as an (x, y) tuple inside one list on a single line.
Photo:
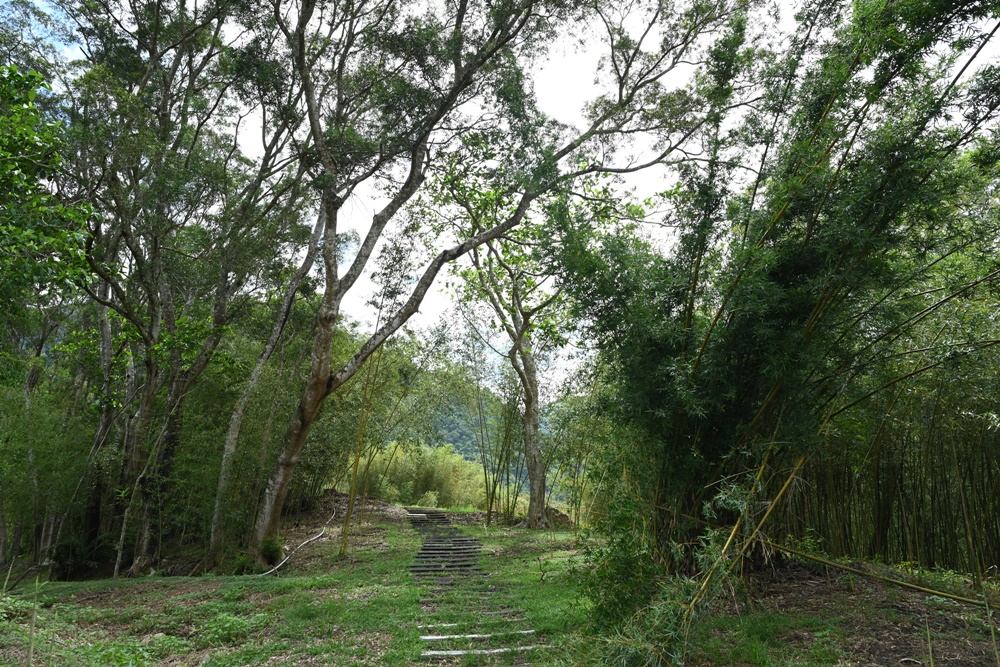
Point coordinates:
[(872, 575)]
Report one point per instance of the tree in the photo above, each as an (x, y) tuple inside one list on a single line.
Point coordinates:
[(187, 223), (41, 236), (41, 240), (513, 280), (490, 402), (391, 91)]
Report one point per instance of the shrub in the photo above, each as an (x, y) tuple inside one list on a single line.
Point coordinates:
[(271, 550), (426, 476)]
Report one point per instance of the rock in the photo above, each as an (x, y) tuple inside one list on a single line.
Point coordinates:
[(558, 518)]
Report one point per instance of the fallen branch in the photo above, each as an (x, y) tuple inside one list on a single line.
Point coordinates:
[(854, 570), (33, 568), (872, 575), (311, 539)]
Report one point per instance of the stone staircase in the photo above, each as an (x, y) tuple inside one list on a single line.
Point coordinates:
[(466, 619)]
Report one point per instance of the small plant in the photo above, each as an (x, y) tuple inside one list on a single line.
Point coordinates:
[(243, 564), (229, 628), (271, 550), (14, 609), (429, 499)]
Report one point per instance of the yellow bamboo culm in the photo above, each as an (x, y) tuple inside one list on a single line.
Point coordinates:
[(366, 395), (703, 588), (989, 622), (930, 645)]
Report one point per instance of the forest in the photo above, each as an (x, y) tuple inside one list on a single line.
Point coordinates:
[(737, 307)]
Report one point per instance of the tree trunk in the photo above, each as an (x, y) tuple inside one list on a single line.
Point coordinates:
[(3, 534), (533, 461), (95, 492), (269, 515), (318, 386), (236, 420), (156, 486), (15, 542)]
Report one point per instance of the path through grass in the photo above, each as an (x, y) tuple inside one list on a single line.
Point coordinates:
[(324, 611)]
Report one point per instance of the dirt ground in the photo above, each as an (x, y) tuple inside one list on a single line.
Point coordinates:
[(879, 624)]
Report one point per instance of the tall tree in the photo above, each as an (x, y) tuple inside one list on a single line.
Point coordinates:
[(734, 354), (512, 277), (392, 89), (41, 235), (158, 116), (41, 242)]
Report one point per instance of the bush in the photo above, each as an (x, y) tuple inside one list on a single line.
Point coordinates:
[(426, 476), (271, 551), (229, 628)]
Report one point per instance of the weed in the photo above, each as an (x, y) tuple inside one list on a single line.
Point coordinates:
[(271, 550), (229, 628)]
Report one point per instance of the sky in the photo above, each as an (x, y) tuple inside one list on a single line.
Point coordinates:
[(563, 85)]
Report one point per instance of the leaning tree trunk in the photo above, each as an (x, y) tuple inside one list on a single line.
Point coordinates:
[(236, 420), (269, 515), (318, 387)]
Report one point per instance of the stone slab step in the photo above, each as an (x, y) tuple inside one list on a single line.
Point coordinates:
[(435, 638), (483, 651)]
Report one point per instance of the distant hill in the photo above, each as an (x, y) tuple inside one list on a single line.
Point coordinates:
[(457, 427)]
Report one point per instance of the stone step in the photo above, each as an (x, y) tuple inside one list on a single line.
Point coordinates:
[(434, 638), (483, 651)]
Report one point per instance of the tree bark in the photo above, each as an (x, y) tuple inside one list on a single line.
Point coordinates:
[(527, 371), (93, 505), (156, 485), (318, 386), (3, 533), (15, 542), (236, 420)]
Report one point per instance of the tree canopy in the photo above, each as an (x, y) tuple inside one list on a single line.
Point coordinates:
[(762, 264)]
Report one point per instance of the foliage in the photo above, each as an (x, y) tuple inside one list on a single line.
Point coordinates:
[(42, 237), (735, 354), (797, 336), (426, 476)]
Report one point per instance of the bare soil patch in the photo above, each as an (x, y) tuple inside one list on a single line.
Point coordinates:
[(882, 625)]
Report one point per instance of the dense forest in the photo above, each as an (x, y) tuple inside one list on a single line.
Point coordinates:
[(745, 298)]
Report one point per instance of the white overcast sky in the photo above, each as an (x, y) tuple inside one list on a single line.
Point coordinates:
[(563, 85), (564, 82)]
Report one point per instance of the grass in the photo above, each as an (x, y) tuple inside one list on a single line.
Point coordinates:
[(802, 616), (364, 610), (332, 612), (770, 639), (328, 611)]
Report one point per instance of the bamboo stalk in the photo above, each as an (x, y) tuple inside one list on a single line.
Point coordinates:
[(872, 575)]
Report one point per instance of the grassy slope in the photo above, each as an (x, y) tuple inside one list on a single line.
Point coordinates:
[(810, 616), (323, 611), (364, 611)]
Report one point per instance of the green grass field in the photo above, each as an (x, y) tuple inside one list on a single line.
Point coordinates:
[(367, 609), (321, 610)]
